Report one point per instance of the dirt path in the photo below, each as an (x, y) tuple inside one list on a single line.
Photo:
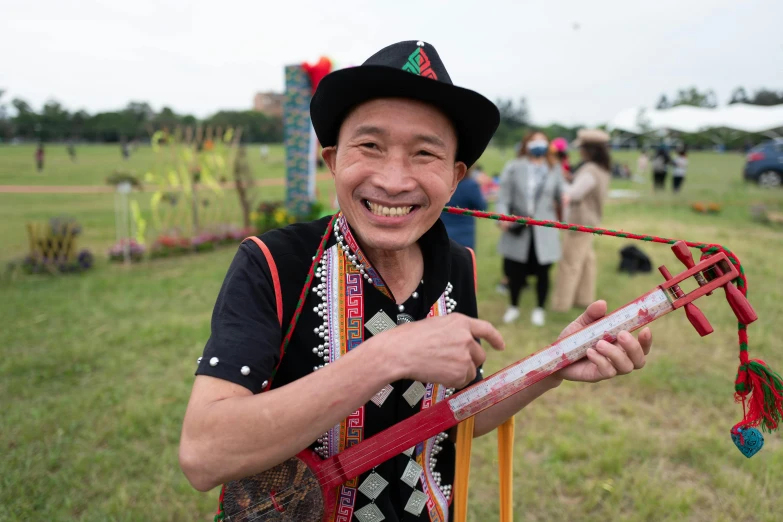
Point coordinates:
[(104, 189)]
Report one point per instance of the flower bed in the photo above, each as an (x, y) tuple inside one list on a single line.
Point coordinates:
[(135, 251), (52, 265)]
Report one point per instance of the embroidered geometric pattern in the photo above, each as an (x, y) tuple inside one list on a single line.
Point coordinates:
[(376, 279), (437, 503), (354, 308), (345, 501), (419, 63), (354, 429), (344, 309)]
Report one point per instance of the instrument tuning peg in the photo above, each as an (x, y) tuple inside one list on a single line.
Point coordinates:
[(683, 253), (698, 319), (692, 312), (739, 303)]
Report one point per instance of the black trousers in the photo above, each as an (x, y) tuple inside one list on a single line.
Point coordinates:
[(677, 182), (518, 273), (659, 180)]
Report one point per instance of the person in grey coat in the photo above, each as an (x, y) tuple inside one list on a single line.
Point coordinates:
[(531, 185)]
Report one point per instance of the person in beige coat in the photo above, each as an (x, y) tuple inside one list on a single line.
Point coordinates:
[(576, 273)]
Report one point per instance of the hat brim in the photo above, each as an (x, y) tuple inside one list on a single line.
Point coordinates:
[(475, 118)]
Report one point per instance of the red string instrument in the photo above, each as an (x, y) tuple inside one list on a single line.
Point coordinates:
[(303, 488)]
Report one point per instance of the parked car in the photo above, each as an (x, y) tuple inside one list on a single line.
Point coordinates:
[(764, 164)]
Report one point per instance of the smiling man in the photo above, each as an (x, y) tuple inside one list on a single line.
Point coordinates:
[(390, 326)]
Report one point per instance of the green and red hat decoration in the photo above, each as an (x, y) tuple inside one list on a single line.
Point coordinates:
[(419, 63)]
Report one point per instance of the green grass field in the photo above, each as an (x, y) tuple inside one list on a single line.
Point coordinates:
[(95, 369), (96, 162)]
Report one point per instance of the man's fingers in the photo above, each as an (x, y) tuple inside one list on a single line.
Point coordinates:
[(478, 354), (645, 340), (484, 330), (605, 368), (616, 355), (593, 312), (471, 376), (633, 349)]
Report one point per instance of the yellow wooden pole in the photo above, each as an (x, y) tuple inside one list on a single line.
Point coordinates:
[(31, 234), (506, 469), (462, 472)]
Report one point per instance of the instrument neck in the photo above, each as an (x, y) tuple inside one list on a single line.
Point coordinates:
[(488, 392), (385, 445)]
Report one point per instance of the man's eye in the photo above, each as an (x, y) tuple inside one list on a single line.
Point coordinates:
[(370, 145), (425, 153)]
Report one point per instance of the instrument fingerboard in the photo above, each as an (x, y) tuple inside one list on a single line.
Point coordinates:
[(570, 349)]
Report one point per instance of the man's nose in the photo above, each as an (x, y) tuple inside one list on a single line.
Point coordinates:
[(396, 177)]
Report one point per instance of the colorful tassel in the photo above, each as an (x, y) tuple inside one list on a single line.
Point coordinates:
[(763, 390)]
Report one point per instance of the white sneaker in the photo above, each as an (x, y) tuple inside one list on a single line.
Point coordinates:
[(511, 315), (537, 317)]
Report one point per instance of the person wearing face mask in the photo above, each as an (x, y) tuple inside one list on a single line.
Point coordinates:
[(531, 185)]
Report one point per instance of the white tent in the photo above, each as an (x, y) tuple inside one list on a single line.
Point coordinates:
[(684, 118)]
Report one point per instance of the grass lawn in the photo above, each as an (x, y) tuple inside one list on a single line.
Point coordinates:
[(94, 163), (96, 368)]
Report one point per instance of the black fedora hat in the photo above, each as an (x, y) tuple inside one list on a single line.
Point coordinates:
[(405, 70)]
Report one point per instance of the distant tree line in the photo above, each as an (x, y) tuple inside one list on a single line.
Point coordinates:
[(696, 98), (136, 121), (730, 139), (515, 124)]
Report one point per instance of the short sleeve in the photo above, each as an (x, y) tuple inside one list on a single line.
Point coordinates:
[(244, 345)]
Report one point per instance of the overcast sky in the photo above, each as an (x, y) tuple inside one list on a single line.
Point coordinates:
[(576, 61)]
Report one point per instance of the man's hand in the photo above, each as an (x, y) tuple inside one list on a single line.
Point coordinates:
[(439, 349), (504, 225), (607, 359)]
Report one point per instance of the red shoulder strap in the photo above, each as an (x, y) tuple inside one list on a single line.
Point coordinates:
[(475, 269), (275, 276)]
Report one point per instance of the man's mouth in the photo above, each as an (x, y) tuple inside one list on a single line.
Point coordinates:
[(382, 210)]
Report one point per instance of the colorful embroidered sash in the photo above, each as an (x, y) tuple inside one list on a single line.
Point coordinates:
[(344, 287)]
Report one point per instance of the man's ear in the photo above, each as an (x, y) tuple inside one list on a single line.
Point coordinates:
[(329, 154), (460, 170)]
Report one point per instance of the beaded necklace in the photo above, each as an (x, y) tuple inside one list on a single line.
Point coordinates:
[(340, 275)]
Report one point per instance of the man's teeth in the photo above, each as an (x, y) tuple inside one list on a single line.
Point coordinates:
[(380, 210)]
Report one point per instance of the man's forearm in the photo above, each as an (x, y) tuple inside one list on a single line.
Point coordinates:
[(490, 419), (242, 435)]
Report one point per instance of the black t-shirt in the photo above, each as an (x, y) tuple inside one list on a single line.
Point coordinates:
[(246, 332)]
